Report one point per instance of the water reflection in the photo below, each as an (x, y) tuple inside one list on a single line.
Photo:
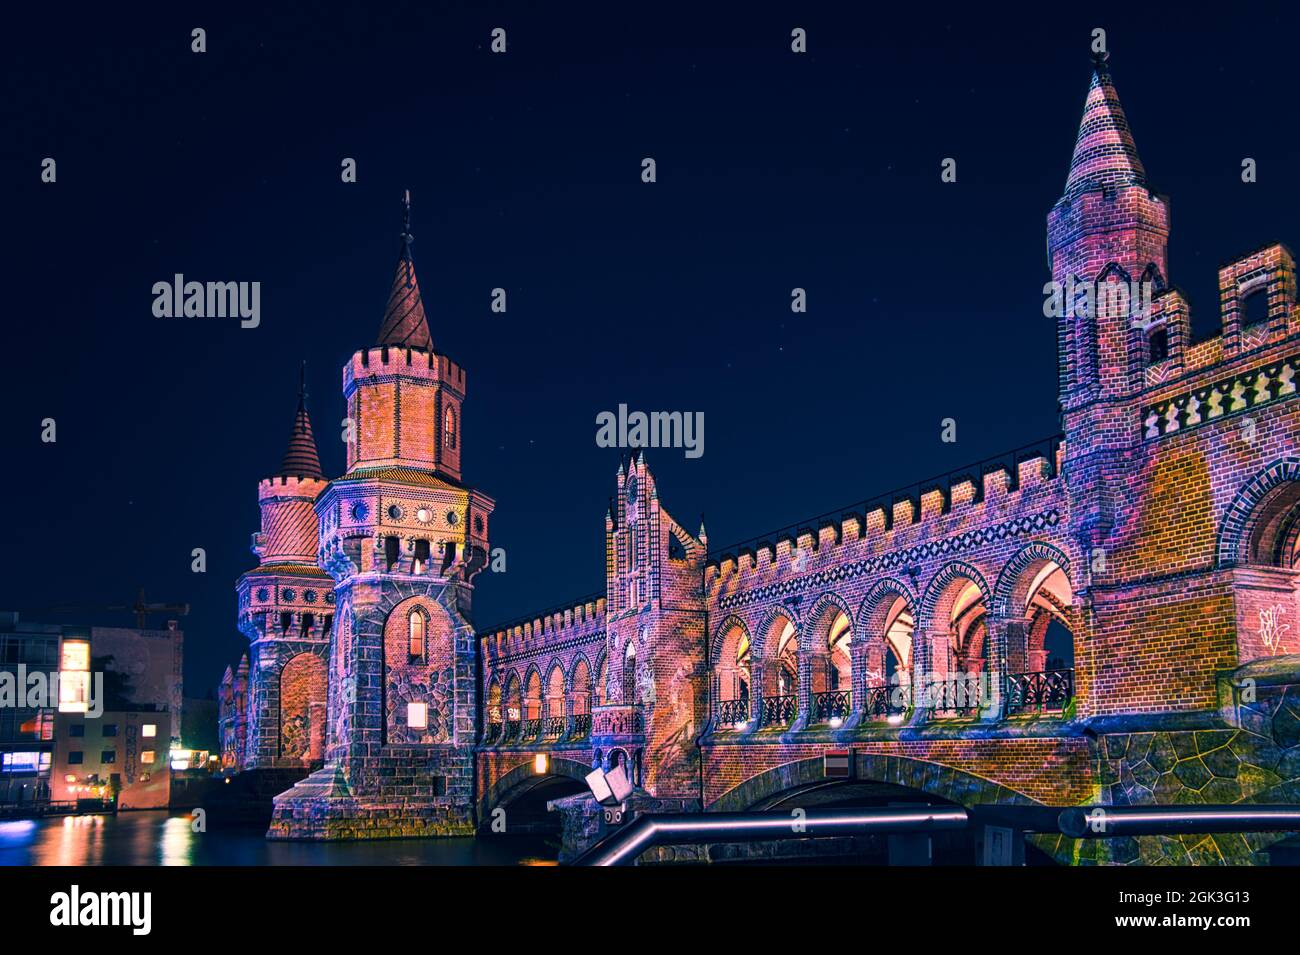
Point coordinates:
[(162, 838)]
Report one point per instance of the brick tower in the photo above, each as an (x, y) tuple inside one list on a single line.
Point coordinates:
[(286, 608), (654, 611), (402, 538)]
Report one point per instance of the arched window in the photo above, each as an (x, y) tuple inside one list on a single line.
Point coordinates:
[(1254, 307), (416, 633), (629, 672), (449, 429)]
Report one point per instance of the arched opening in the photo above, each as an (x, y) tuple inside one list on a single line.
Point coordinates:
[(495, 716), (884, 654), (532, 727), (629, 672), (302, 709), (580, 681), (1035, 599), (602, 678), (732, 674), (449, 429), (555, 715), (780, 672), (956, 644), (830, 667), (415, 639), (514, 706), (1261, 539)]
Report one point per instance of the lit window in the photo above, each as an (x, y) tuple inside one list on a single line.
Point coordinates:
[(449, 428), (417, 633), (417, 715), (147, 757), (74, 676), (149, 730)]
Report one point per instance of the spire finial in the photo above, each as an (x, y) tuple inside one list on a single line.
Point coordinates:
[(1099, 58), (302, 383), (407, 238)]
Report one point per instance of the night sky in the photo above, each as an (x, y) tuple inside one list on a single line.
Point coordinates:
[(775, 170)]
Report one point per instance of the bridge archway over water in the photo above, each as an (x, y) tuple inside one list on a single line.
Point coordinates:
[(523, 793), (880, 780)]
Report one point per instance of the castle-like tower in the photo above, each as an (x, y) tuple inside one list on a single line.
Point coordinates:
[(364, 661)]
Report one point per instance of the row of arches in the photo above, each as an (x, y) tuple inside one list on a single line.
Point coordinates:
[(836, 661), (557, 706)]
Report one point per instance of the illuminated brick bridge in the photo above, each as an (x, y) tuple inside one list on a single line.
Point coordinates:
[(1123, 596)]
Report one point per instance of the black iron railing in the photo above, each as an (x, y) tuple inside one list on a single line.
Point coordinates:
[(1038, 692), (962, 694), (532, 729), (581, 725), (512, 730), (778, 710), (731, 712), (555, 727), (885, 701), (493, 733), (835, 704)]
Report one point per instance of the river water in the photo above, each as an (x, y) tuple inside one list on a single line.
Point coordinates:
[(163, 838)]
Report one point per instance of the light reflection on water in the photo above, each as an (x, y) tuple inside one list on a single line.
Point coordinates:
[(162, 838)]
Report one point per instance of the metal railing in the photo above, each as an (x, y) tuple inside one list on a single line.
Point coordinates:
[(835, 704), (512, 731), (884, 701), (778, 710), (1037, 692), (532, 729), (731, 712), (647, 830), (961, 695), (493, 733), (581, 725), (554, 727)]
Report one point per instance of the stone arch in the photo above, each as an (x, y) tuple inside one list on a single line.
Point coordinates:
[(600, 678), (1251, 506), (946, 782), (949, 631), (942, 581), (883, 642), (731, 624), (523, 777), (825, 654), (1013, 582), (303, 688)]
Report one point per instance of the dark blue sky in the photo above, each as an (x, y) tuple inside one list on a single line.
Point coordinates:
[(774, 170)]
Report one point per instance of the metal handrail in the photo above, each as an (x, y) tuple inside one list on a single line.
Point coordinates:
[(651, 830)]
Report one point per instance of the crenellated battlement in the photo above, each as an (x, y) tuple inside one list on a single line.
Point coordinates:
[(385, 361), (985, 491), (1164, 352), (570, 620)]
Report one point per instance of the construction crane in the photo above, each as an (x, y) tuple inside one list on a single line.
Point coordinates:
[(141, 608)]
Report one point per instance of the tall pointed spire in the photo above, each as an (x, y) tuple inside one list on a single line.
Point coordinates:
[(300, 458), (1104, 153), (404, 323)]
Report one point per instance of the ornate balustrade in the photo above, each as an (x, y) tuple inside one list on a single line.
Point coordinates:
[(618, 719), (884, 701), (532, 729), (581, 726), (961, 695), (731, 712), (831, 705), (493, 733), (1039, 692), (554, 727), (778, 710), (512, 731)]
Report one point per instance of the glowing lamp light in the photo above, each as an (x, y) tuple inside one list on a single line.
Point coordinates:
[(836, 722), (895, 719), (180, 758), (70, 778), (742, 725), (541, 763)]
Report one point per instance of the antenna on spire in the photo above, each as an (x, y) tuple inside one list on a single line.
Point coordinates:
[(302, 381), (1099, 58), (407, 238)]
